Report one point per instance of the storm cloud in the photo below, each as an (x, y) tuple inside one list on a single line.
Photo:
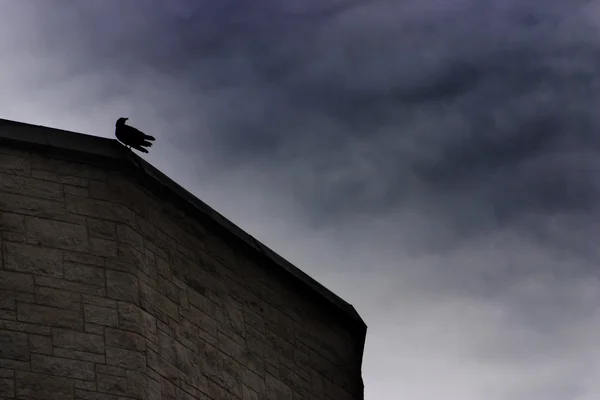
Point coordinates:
[(433, 162)]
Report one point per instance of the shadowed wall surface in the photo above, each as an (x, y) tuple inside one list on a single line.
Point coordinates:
[(116, 284)]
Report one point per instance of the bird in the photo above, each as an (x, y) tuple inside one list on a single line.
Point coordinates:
[(131, 137)]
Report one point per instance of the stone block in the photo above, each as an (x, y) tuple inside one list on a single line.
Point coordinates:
[(8, 300), (31, 187), (57, 234), (15, 164), (12, 222), (110, 370), (253, 362), (24, 327), (283, 348), (43, 387), (102, 229), (81, 394), (229, 375), (64, 179), (233, 318), (16, 281), (127, 235), (230, 347), (32, 259), (256, 321), (14, 345), (108, 190), (291, 378), (162, 366), (112, 384), (76, 340), (125, 340), (253, 381), (175, 353), (148, 267), (58, 298), (36, 207), (79, 355), (83, 258), (7, 373), (173, 293), (62, 367), (6, 363), (145, 228), (75, 219), (98, 209), (70, 286), (158, 301), (202, 320), (25, 297), (276, 389), (40, 344), (187, 333), (85, 385), (129, 254), (100, 315), (216, 391), (98, 301), (7, 388), (103, 247), (249, 394), (93, 328), (200, 301), (190, 384), (126, 359), (15, 237), (133, 318), (49, 316), (163, 268), (8, 315), (76, 190), (141, 386), (122, 286), (65, 167), (84, 274)]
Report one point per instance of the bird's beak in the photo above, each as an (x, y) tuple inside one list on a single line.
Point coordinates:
[(125, 119)]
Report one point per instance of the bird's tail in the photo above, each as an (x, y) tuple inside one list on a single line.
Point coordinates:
[(140, 148), (148, 137), (146, 143)]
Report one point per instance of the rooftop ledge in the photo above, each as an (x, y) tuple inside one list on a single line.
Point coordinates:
[(103, 151)]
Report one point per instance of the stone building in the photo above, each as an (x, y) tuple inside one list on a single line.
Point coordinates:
[(116, 283)]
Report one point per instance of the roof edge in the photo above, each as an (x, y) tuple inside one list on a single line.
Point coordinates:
[(96, 149)]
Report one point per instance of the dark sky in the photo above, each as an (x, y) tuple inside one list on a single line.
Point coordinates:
[(434, 162)]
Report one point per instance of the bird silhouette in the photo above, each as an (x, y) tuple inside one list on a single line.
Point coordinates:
[(132, 137)]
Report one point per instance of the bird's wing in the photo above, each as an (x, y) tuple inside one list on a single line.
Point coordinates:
[(133, 132)]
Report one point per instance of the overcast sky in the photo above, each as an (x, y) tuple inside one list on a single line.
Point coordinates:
[(433, 162)]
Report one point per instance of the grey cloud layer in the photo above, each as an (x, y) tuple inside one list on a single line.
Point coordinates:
[(481, 105)]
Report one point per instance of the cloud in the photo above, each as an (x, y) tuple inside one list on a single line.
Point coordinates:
[(439, 156), (491, 108)]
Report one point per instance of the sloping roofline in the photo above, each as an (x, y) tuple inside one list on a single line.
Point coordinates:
[(109, 153)]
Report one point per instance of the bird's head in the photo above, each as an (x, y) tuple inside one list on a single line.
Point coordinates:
[(121, 121)]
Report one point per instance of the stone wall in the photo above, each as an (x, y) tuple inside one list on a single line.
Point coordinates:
[(109, 292)]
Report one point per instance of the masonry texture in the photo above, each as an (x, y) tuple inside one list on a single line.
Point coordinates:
[(115, 283)]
